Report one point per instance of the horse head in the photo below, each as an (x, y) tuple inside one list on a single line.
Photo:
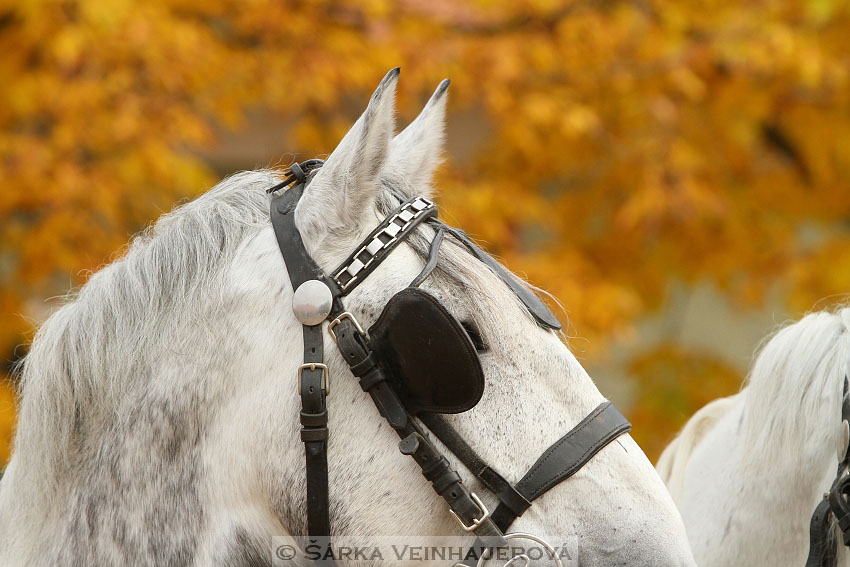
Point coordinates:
[(159, 410)]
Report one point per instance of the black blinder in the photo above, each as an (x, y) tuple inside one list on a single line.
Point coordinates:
[(431, 360)]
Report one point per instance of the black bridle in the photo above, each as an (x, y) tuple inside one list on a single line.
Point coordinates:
[(318, 298), (834, 509)]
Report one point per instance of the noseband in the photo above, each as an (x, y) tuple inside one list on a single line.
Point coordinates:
[(385, 361)]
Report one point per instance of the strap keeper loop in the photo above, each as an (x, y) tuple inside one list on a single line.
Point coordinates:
[(314, 419), (372, 379), (314, 434), (363, 367), (443, 482), (436, 469)]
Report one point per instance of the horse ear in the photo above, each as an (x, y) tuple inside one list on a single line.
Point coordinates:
[(417, 151), (348, 182)]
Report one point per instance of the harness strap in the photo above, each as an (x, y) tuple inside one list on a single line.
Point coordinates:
[(299, 264), (312, 375), (536, 308), (381, 241), (839, 504), (489, 477), (567, 455), (822, 542), (433, 258), (314, 431), (435, 467), (560, 461)]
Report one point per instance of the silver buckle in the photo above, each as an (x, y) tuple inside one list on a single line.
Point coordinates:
[(485, 513), (338, 320), (325, 384)]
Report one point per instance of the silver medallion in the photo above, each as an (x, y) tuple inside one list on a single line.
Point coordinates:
[(312, 302)]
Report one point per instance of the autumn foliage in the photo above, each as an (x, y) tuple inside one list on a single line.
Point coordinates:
[(603, 148)]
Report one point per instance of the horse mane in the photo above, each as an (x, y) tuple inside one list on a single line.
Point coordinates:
[(795, 388), (85, 350)]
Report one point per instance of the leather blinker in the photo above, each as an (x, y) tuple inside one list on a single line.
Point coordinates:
[(432, 362)]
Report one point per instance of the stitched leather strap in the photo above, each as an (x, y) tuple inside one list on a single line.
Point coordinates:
[(489, 477), (823, 545), (314, 433), (435, 468), (567, 455), (312, 379), (381, 241)]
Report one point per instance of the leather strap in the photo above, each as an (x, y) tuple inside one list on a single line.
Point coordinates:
[(535, 306), (435, 467), (312, 376), (567, 455), (558, 462), (822, 541), (381, 241), (299, 264), (489, 477), (314, 432), (433, 258)]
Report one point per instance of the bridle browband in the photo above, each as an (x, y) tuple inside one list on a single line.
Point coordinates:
[(834, 509), (318, 298)]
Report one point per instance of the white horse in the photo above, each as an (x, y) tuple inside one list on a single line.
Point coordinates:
[(159, 414), (747, 471)]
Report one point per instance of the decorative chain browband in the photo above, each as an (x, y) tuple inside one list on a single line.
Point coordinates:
[(381, 241)]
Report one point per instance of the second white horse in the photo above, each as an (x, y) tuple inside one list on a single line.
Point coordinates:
[(747, 471)]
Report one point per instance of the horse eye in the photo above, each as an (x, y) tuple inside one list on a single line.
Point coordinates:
[(473, 333)]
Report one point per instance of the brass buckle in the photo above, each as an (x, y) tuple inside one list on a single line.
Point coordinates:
[(325, 384), (338, 320), (476, 522)]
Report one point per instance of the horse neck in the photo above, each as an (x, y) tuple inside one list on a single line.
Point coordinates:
[(85, 416)]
